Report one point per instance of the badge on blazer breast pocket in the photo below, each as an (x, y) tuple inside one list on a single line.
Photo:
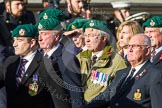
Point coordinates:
[(137, 95)]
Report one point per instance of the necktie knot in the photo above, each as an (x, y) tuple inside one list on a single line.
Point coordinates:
[(46, 55), (132, 73), (94, 58), (24, 61)]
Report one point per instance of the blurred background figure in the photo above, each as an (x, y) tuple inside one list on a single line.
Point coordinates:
[(2, 7), (125, 31), (74, 9), (121, 12), (15, 13), (74, 31), (49, 4)]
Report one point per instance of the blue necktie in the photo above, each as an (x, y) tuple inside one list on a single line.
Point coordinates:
[(21, 71)]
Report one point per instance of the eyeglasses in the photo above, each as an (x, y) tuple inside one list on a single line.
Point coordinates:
[(135, 46), (90, 35)]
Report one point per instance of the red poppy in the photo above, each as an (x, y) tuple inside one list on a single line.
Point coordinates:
[(160, 57), (108, 52)]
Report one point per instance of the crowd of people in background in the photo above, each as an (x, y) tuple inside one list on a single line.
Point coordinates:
[(69, 59)]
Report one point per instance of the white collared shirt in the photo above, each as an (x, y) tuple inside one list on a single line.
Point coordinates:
[(98, 54), (29, 58), (137, 68), (49, 53)]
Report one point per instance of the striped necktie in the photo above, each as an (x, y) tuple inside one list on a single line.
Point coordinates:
[(21, 71)]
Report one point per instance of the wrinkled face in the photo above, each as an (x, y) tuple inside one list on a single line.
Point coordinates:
[(154, 35), (17, 8), (124, 36), (76, 6), (47, 39), (93, 41), (137, 51), (22, 46), (78, 40)]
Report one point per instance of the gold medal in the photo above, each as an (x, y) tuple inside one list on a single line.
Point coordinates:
[(137, 95), (33, 89)]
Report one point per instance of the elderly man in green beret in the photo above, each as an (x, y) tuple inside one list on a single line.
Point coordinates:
[(100, 62), (27, 79), (153, 29), (64, 62), (74, 31)]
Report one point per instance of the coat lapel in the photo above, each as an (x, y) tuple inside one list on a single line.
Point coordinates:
[(32, 67), (157, 57), (57, 53), (138, 76)]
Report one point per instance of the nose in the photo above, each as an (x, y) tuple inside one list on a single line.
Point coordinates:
[(81, 4), (14, 44), (21, 6), (121, 36), (39, 37)]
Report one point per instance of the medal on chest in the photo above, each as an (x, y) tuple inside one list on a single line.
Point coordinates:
[(33, 87), (99, 78), (137, 95)]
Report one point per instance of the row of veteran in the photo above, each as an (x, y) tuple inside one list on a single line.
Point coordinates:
[(137, 86), (28, 84)]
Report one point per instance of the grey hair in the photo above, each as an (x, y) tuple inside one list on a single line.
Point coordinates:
[(147, 40), (110, 38)]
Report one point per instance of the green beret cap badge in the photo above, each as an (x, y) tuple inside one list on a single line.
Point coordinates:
[(73, 27), (40, 26), (45, 16), (91, 24), (22, 32), (152, 23)]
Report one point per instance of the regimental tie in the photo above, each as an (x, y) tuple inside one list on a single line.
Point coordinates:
[(94, 59), (21, 71), (129, 77), (153, 53)]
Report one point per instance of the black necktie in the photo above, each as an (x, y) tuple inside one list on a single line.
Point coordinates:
[(125, 83), (130, 76), (94, 58)]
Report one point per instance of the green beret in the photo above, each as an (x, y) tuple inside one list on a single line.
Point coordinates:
[(76, 24), (49, 24), (25, 30), (96, 24), (52, 13), (155, 21)]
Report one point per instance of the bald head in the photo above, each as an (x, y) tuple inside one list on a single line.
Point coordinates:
[(139, 49)]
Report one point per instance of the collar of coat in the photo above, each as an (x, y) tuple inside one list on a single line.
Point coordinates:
[(107, 52)]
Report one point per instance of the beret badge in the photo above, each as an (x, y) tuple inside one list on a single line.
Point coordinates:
[(21, 32), (73, 27), (45, 16), (91, 24), (40, 26), (152, 23)]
